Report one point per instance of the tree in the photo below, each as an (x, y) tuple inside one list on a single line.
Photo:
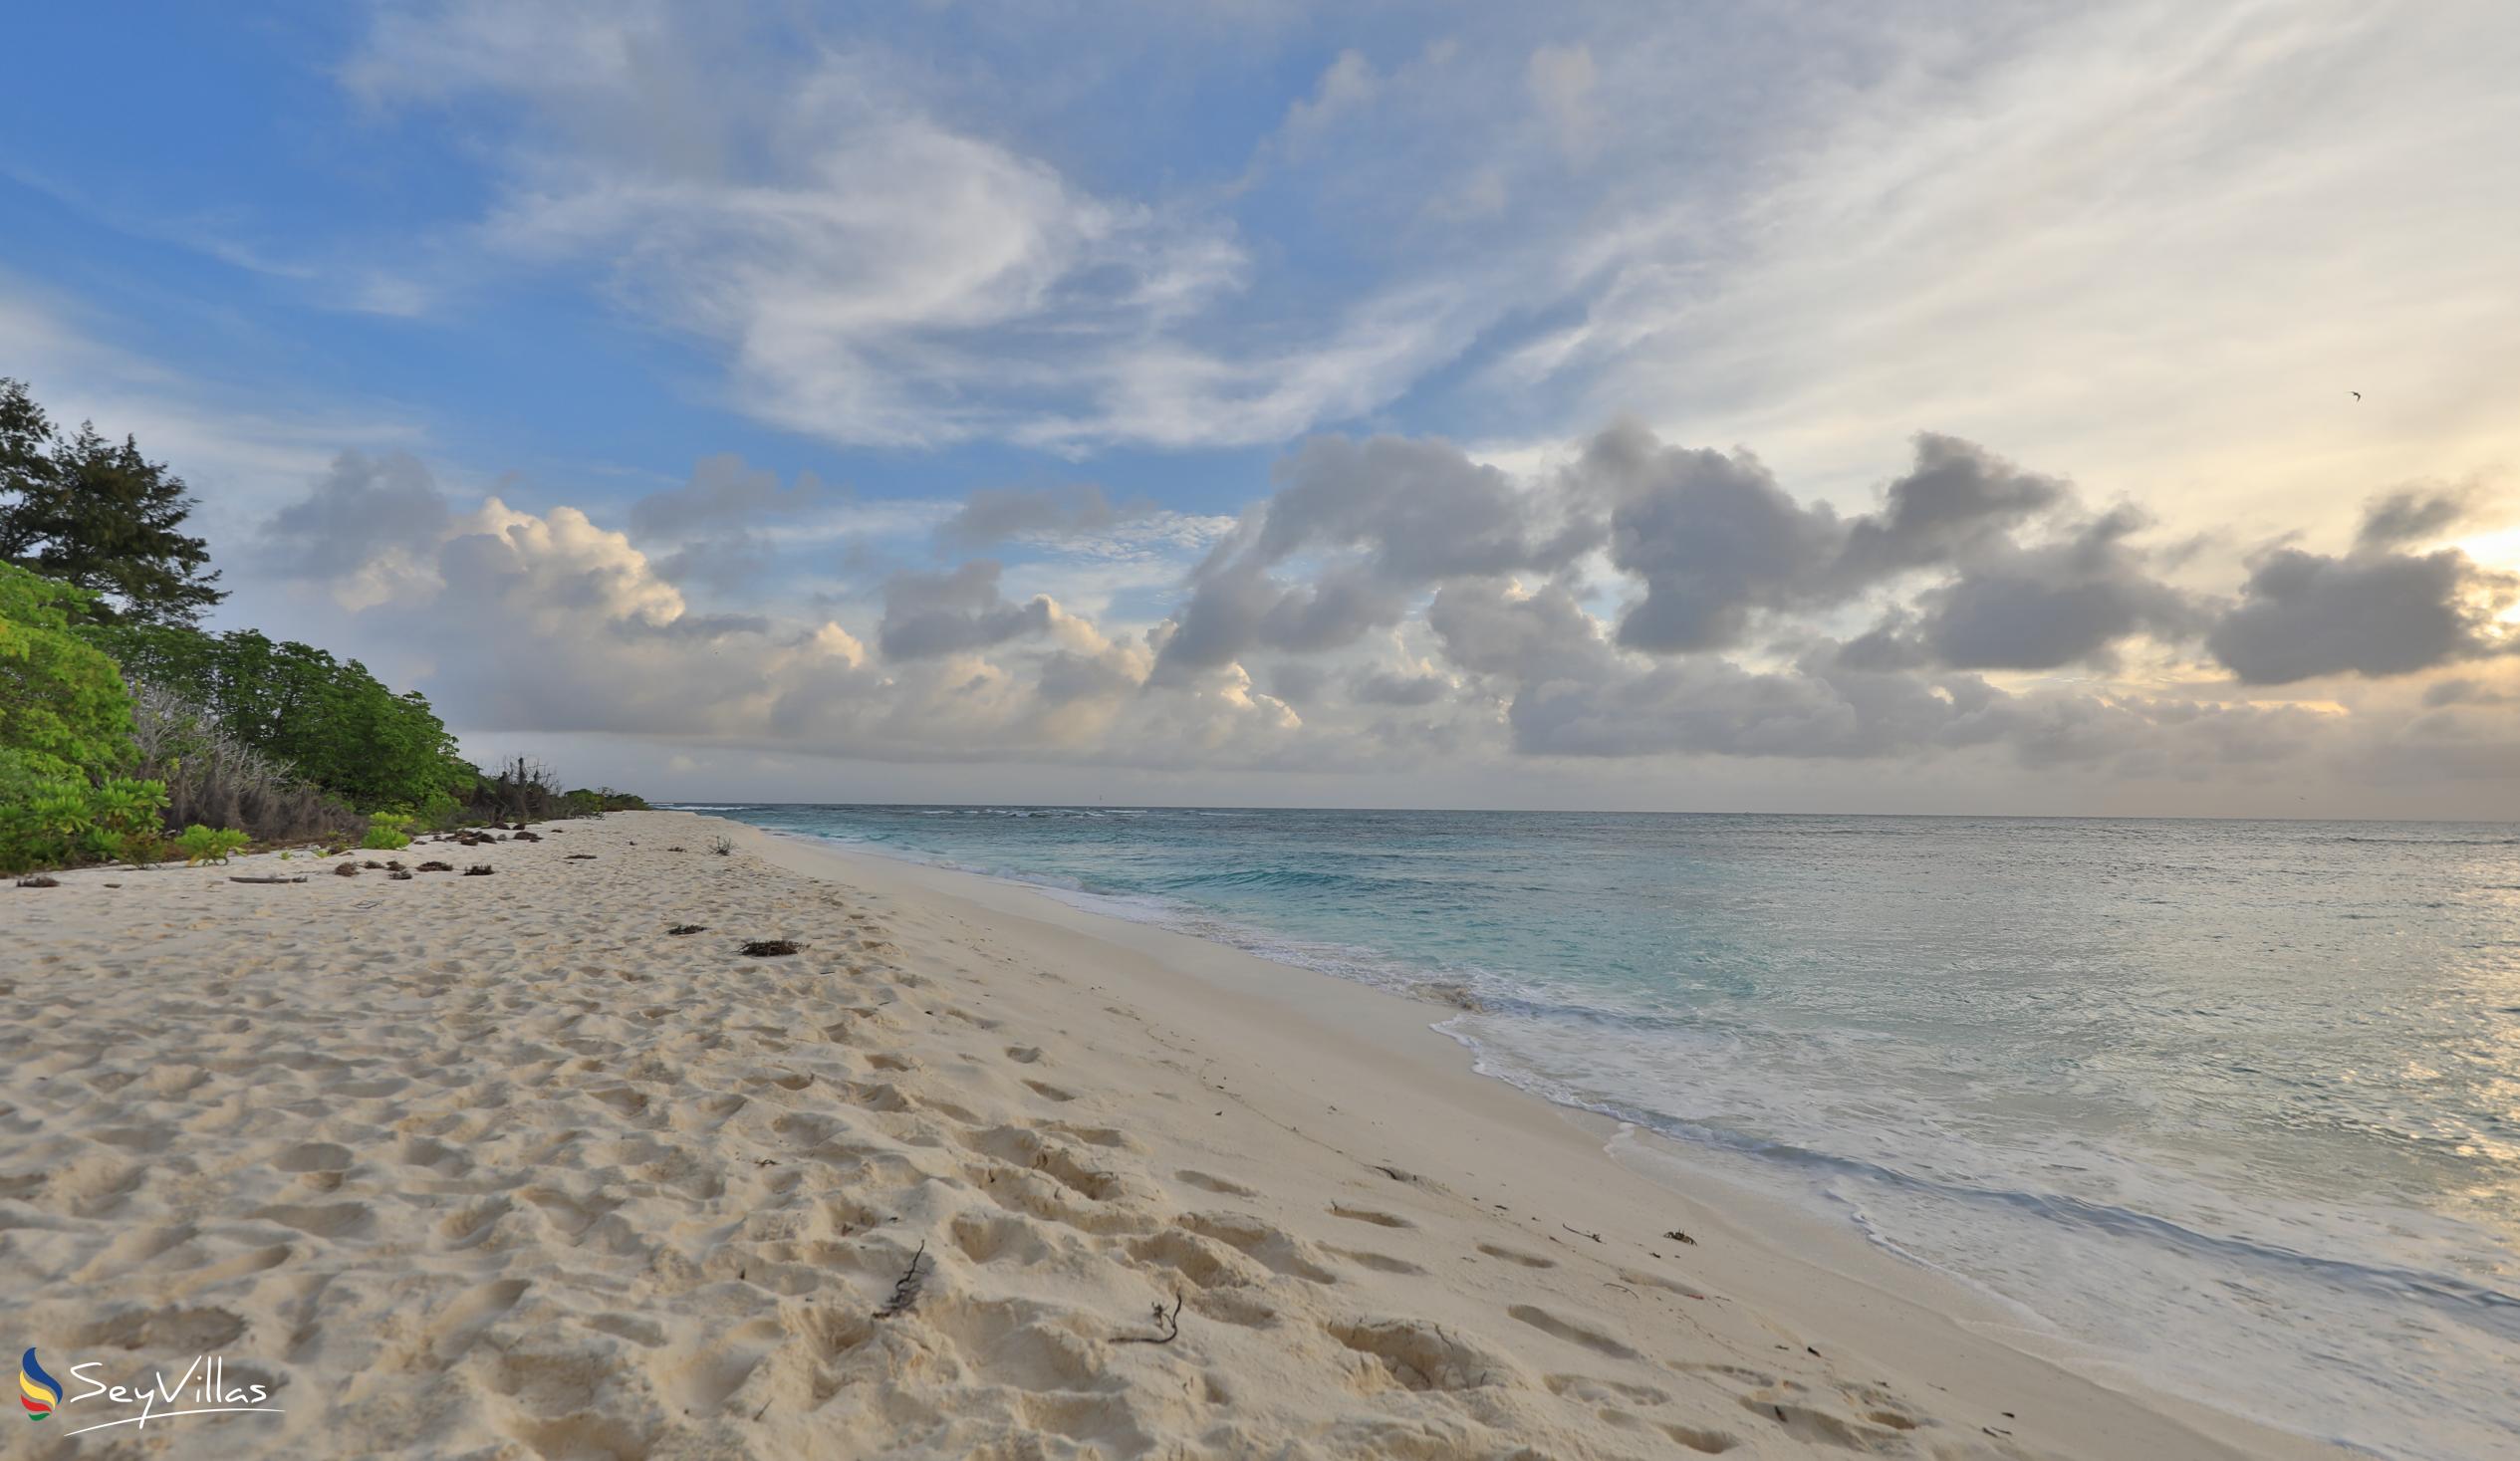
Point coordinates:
[(65, 731), (327, 719), (63, 708), (99, 516)]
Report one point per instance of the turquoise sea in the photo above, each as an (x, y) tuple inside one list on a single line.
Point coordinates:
[(2233, 1104)]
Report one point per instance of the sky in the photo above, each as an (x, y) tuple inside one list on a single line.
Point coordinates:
[(1913, 406)]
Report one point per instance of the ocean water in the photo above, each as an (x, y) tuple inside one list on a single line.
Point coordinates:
[(2233, 1105)]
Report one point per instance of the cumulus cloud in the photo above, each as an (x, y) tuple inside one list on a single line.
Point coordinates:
[(1717, 542), (2411, 515), (2053, 604), (2302, 614), (995, 514), (1395, 516), (1389, 687), (1713, 537), (358, 508), (1646, 601), (724, 493), (928, 614)]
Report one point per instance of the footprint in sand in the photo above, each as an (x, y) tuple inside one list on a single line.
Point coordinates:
[(1573, 1334), (1214, 1184), (1369, 1215)]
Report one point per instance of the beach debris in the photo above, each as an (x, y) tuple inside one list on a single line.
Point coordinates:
[(677, 849), (579, 857), (269, 877), (724, 847), (346, 870), (1677, 1236), (768, 948), (435, 867), (1167, 1322), (906, 1289), (1579, 1232), (479, 869), (372, 865), (39, 881), (526, 837), (400, 875), (679, 929)]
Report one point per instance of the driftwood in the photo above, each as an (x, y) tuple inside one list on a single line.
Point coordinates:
[(274, 877), (679, 929)]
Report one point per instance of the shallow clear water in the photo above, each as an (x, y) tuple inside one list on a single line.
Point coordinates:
[(2235, 1102)]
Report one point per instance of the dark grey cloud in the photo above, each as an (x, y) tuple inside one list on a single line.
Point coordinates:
[(1717, 541), (1421, 509), (1242, 608), (1957, 498), (1068, 677), (928, 614), (725, 563), (1384, 687), (2302, 614), (2411, 515), (995, 514), (1486, 629), (1713, 536), (1297, 682), (724, 494), (2051, 605), (361, 508), (1394, 515), (2463, 691)]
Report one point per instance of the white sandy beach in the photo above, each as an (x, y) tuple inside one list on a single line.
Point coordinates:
[(495, 1168)]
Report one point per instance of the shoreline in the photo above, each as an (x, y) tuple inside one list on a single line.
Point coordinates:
[(1782, 1283), (502, 1167)]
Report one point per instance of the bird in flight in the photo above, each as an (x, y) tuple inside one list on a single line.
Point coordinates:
[(2357, 396)]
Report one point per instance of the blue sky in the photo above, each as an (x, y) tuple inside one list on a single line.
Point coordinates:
[(664, 332)]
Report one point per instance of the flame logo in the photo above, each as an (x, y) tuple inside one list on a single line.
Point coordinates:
[(36, 1391)]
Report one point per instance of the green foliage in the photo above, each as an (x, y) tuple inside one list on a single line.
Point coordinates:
[(327, 719), (64, 712), (214, 779), (99, 515), (65, 733), (61, 821), (209, 844), (583, 803), (386, 832)]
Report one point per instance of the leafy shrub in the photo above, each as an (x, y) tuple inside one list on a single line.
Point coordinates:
[(63, 709), (386, 832), (209, 844), (65, 737), (61, 822)]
